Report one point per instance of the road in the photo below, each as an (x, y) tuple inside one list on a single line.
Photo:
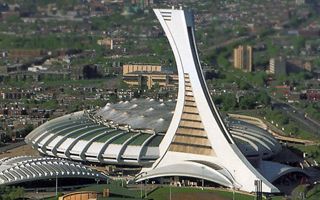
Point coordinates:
[(228, 42), (299, 116), (312, 125), (11, 146)]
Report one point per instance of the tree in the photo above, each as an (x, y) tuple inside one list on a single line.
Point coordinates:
[(241, 30), (11, 193), (217, 100), (264, 98), (223, 54), (247, 102), (292, 129), (280, 117), (316, 62), (299, 42), (28, 8), (229, 102), (156, 87), (258, 79), (123, 85), (273, 50), (243, 85)]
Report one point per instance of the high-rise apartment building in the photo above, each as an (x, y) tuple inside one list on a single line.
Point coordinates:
[(243, 58), (277, 66), (300, 2)]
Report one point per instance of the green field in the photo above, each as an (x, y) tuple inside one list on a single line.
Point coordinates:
[(163, 192)]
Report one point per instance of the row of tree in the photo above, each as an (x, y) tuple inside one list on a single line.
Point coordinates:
[(246, 101), (11, 193)]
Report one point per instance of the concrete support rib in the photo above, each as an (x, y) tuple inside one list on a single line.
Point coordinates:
[(143, 146), (181, 144), (57, 143), (67, 152), (38, 138), (86, 147), (106, 144), (125, 145), (46, 140)]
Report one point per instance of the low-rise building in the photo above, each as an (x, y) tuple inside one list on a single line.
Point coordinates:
[(282, 89), (298, 65), (111, 43), (313, 94), (125, 94), (148, 76)]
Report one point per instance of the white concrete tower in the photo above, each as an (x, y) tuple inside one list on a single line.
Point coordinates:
[(197, 143)]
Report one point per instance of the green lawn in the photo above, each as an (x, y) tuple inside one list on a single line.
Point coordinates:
[(290, 125), (116, 190), (314, 193), (310, 192), (164, 192)]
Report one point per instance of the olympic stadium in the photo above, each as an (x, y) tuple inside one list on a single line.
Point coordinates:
[(185, 139), (129, 133)]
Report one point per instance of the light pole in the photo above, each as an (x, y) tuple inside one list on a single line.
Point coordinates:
[(233, 197), (258, 185), (202, 176), (145, 194), (145, 190), (122, 178), (170, 191), (141, 189), (56, 185)]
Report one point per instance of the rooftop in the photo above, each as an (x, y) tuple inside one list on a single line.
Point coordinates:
[(140, 114)]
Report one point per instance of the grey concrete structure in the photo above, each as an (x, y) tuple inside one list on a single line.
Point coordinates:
[(19, 170)]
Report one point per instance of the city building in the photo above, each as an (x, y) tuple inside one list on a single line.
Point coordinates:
[(307, 66), (243, 58), (284, 90), (142, 3), (277, 66), (18, 53), (178, 142), (129, 68), (125, 94), (147, 76), (313, 94), (298, 65), (316, 74), (111, 43), (300, 2)]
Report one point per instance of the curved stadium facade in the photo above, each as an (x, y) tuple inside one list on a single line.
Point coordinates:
[(183, 138), (27, 170), (117, 134)]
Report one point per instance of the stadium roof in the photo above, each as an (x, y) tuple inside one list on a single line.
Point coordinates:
[(117, 134), (140, 113), (26, 168)]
